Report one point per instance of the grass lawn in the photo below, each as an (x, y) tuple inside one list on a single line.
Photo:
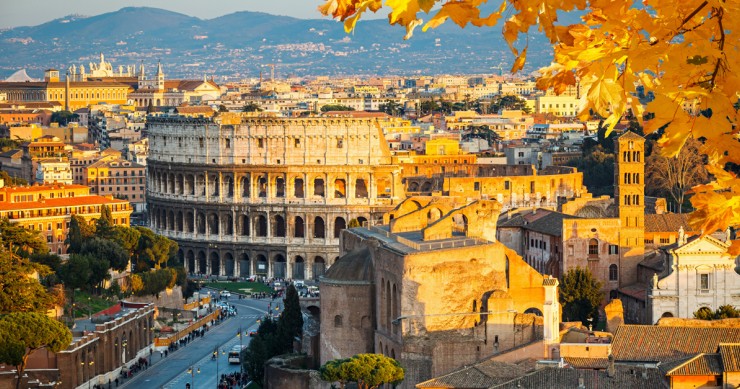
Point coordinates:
[(240, 287), (85, 304)]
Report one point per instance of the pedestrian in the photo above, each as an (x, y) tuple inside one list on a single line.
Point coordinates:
[(116, 382)]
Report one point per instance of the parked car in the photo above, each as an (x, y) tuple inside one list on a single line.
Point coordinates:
[(226, 294)]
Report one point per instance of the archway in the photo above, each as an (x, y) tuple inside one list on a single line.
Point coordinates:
[(319, 267), (319, 230), (215, 264), (191, 261), (244, 265), (299, 268), (278, 226), (229, 265), (279, 266), (262, 265), (339, 225), (261, 226), (299, 228), (533, 311), (202, 263)]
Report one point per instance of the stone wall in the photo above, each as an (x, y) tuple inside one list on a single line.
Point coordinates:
[(292, 372), (169, 298)]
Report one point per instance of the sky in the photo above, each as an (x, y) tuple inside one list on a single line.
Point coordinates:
[(15, 13)]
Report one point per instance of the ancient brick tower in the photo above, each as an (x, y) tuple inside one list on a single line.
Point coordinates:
[(629, 194)]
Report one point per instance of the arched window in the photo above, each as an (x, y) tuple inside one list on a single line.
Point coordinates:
[(340, 188), (298, 188), (613, 273), (338, 321), (318, 187), (299, 228), (319, 230), (279, 227), (261, 226), (339, 225), (593, 247)]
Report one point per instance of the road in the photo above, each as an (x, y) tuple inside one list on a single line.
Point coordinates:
[(171, 372)]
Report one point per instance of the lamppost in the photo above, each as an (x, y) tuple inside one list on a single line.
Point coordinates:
[(89, 382), (192, 372), (89, 308), (239, 335), (218, 377)]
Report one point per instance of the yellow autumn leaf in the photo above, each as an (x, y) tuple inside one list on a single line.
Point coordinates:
[(519, 61)]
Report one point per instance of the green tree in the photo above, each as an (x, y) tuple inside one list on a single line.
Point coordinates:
[(290, 323), (252, 107), (508, 102), (153, 250), (20, 241), (22, 333), (353, 223), (369, 371), (53, 262), (391, 107), (723, 312), (79, 231), (64, 117), (598, 170), (19, 291), (336, 107), (117, 256), (104, 224), (76, 272), (11, 181), (127, 238), (580, 295), (261, 348)]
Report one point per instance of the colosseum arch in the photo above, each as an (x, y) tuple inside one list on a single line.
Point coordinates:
[(244, 265), (189, 222), (319, 229), (179, 222), (171, 221), (244, 225), (202, 184), (190, 185), (244, 184), (262, 186), (298, 188), (202, 263), (299, 268), (213, 224), (360, 188), (229, 187), (228, 224), (319, 267), (215, 185), (383, 185), (413, 186), (426, 186), (260, 225), (279, 186), (262, 265), (190, 261), (340, 188), (278, 226), (318, 187), (279, 266), (180, 184), (299, 228), (229, 268), (215, 263), (433, 215), (171, 183), (339, 225), (201, 223)]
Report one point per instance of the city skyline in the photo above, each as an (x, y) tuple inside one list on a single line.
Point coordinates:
[(35, 12)]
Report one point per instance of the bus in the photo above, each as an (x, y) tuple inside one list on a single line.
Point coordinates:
[(235, 354)]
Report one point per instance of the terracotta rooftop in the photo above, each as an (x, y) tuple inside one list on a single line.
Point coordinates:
[(644, 343), (730, 356), (702, 364), (60, 202), (587, 363), (667, 222), (625, 378), (479, 376)]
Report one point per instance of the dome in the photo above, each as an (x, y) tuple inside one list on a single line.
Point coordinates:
[(591, 212), (357, 265)]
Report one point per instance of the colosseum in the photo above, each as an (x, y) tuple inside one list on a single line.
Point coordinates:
[(265, 196)]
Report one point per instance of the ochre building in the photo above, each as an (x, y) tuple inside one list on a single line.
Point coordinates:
[(266, 196)]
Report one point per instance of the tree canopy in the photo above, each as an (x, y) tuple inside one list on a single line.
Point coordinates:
[(580, 294), (19, 290), (369, 371), (20, 241), (22, 333), (336, 107), (684, 54), (723, 312)]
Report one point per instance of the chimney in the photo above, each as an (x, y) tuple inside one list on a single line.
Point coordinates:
[(610, 370)]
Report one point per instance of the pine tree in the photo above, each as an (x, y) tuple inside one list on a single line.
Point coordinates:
[(290, 324)]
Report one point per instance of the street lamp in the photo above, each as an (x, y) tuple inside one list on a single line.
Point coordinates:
[(239, 335), (89, 382), (192, 372), (218, 377)]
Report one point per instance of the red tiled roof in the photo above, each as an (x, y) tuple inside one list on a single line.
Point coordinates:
[(667, 222), (663, 343), (730, 356), (702, 364)]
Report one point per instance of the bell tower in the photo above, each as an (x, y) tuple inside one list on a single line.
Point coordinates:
[(629, 194), (160, 76)]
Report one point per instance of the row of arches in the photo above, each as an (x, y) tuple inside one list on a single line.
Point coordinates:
[(265, 185), (257, 224), (390, 306), (275, 265)]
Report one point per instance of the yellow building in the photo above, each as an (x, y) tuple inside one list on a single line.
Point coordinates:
[(49, 209), (71, 95), (557, 105), (442, 146)]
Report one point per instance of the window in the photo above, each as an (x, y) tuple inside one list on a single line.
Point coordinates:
[(476, 186), (593, 247), (665, 240), (340, 143), (506, 185), (613, 249), (227, 143), (613, 273), (297, 142), (260, 143), (338, 321), (704, 282)]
